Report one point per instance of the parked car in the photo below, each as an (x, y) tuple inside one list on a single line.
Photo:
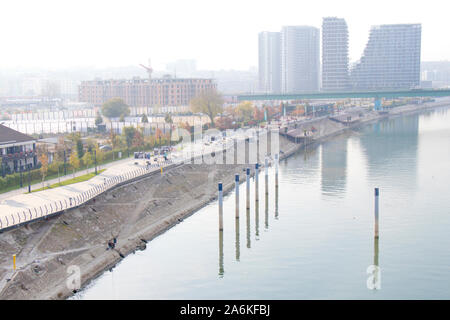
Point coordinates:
[(105, 148)]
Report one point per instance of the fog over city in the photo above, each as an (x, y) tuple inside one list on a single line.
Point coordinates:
[(217, 34)]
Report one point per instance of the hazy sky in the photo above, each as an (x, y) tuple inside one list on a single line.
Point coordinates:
[(218, 34)]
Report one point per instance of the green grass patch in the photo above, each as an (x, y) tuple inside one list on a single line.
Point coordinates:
[(70, 181)]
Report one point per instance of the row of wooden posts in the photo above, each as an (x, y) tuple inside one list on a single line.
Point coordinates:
[(266, 168)]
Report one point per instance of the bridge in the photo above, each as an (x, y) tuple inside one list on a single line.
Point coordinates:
[(349, 94)]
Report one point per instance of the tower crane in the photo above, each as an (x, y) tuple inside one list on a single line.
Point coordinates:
[(148, 68)]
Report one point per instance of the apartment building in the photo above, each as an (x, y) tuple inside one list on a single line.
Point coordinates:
[(391, 59), (335, 62), (139, 92)]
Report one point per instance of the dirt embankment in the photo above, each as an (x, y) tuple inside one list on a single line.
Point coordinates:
[(133, 214)]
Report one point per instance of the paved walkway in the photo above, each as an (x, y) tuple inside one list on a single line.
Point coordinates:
[(9, 194), (17, 207)]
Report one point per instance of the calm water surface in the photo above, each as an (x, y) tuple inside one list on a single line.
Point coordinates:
[(314, 240)]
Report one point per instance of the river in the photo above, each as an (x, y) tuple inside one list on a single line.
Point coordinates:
[(314, 238)]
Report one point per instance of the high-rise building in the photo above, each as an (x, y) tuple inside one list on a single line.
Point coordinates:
[(269, 71), (300, 59), (391, 59), (335, 70)]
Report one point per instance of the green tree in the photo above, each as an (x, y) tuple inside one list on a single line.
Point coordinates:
[(98, 119), (80, 148), (209, 103), (144, 118), (168, 118), (74, 162), (245, 110), (115, 107), (128, 135), (100, 155), (87, 160)]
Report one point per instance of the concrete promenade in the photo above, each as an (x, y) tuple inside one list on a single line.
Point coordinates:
[(19, 208)]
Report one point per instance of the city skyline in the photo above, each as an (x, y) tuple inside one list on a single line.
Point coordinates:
[(69, 34)]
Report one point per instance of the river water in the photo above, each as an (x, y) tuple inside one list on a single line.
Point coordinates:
[(314, 239)]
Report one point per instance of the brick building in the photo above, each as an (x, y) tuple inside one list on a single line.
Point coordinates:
[(139, 92)]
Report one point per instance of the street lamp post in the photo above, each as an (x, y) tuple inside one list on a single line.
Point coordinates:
[(65, 165), (95, 161), (21, 174), (29, 179)]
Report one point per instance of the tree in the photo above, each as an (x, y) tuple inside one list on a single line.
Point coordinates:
[(158, 136), (224, 123), (115, 107), (258, 114), (245, 110), (87, 160), (138, 139), (43, 159), (98, 119), (144, 118), (168, 118), (209, 103), (80, 148), (128, 134), (100, 155), (74, 162), (60, 147)]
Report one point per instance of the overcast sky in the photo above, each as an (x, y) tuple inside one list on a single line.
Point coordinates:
[(218, 34)]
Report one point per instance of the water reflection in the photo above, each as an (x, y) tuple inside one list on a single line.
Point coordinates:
[(374, 270), (257, 220), (276, 202), (266, 219), (248, 229), (221, 268), (237, 242), (391, 147), (333, 167)]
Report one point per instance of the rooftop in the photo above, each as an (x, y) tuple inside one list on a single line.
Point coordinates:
[(8, 136)]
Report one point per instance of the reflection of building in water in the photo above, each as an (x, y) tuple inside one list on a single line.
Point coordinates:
[(391, 149), (333, 167)]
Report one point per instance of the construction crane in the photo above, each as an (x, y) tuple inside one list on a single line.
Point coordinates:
[(148, 68)]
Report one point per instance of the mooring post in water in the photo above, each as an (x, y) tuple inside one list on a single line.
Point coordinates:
[(276, 170), (377, 194), (266, 171), (248, 187), (236, 182), (256, 181), (220, 207)]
